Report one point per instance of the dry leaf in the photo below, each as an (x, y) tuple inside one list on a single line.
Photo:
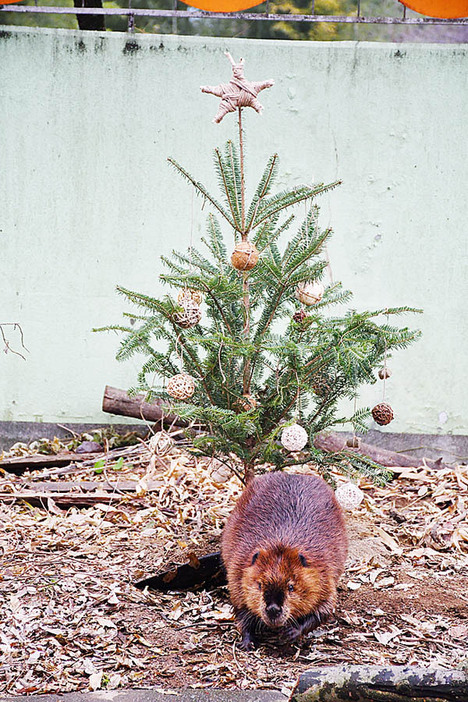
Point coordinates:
[(95, 680)]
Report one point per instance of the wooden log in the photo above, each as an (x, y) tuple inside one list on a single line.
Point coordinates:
[(68, 499), (334, 443), (19, 464), (117, 401), (371, 683), (77, 487)]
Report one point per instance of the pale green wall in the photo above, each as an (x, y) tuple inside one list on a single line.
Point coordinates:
[(88, 201)]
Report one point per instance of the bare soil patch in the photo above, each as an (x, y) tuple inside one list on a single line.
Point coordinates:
[(71, 618)]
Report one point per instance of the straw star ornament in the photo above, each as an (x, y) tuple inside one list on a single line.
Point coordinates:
[(239, 92)]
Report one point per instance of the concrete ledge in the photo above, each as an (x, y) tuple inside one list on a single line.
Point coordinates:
[(155, 696), (12, 432)]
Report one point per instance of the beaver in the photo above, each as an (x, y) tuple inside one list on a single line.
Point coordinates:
[(284, 547)]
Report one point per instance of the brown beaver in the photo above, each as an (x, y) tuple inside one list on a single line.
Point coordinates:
[(284, 548)]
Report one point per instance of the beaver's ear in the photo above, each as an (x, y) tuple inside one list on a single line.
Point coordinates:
[(254, 557), (303, 560)]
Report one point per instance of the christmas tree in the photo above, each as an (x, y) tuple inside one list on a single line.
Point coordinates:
[(261, 369)]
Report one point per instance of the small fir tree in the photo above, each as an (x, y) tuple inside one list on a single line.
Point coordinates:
[(259, 360)]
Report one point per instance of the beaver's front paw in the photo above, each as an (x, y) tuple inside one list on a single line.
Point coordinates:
[(248, 642), (292, 632)]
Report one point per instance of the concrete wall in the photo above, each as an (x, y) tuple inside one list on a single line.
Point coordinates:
[(88, 200)]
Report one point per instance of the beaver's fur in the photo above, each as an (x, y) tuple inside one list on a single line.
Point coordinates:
[(284, 547)]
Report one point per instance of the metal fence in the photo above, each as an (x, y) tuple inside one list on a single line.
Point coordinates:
[(262, 15)]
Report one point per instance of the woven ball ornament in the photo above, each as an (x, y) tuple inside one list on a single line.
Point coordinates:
[(245, 403), (181, 386), (294, 438), (245, 256), (382, 413), (187, 295), (310, 293), (384, 373), (161, 443), (190, 315), (349, 496)]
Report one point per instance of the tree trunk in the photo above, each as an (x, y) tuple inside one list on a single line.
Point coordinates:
[(90, 22), (372, 683)]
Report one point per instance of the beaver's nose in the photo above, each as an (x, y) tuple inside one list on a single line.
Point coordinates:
[(273, 611)]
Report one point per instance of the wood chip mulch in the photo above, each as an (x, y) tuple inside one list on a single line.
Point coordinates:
[(70, 618)]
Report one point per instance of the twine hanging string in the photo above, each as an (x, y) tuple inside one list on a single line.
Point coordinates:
[(179, 353), (191, 235), (308, 238), (354, 426), (385, 363), (298, 400), (220, 363)]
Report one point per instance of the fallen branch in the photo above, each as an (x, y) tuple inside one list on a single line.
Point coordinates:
[(371, 683), (117, 401), (334, 443)]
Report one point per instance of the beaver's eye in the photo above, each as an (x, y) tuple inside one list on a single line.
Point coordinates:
[(259, 586), (291, 587)]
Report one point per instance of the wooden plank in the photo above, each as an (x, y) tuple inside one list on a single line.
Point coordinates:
[(69, 499), (19, 464), (79, 486)]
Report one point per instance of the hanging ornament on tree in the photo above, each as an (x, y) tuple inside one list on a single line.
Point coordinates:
[(384, 373), (245, 256), (321, 385), (294, 438), (309, 293), (239, 92), (300, 316), (245, 403), (349, 496), (190, 315), (382, 413), (181, 386), (187, 295)]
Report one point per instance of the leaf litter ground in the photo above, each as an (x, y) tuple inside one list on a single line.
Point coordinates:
[(72, 620)]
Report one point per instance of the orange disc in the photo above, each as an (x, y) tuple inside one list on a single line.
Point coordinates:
[(223, 5), (439, 8), (9, 2)]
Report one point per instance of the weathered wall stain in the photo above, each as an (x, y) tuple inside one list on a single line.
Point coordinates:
[(131, 47)]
